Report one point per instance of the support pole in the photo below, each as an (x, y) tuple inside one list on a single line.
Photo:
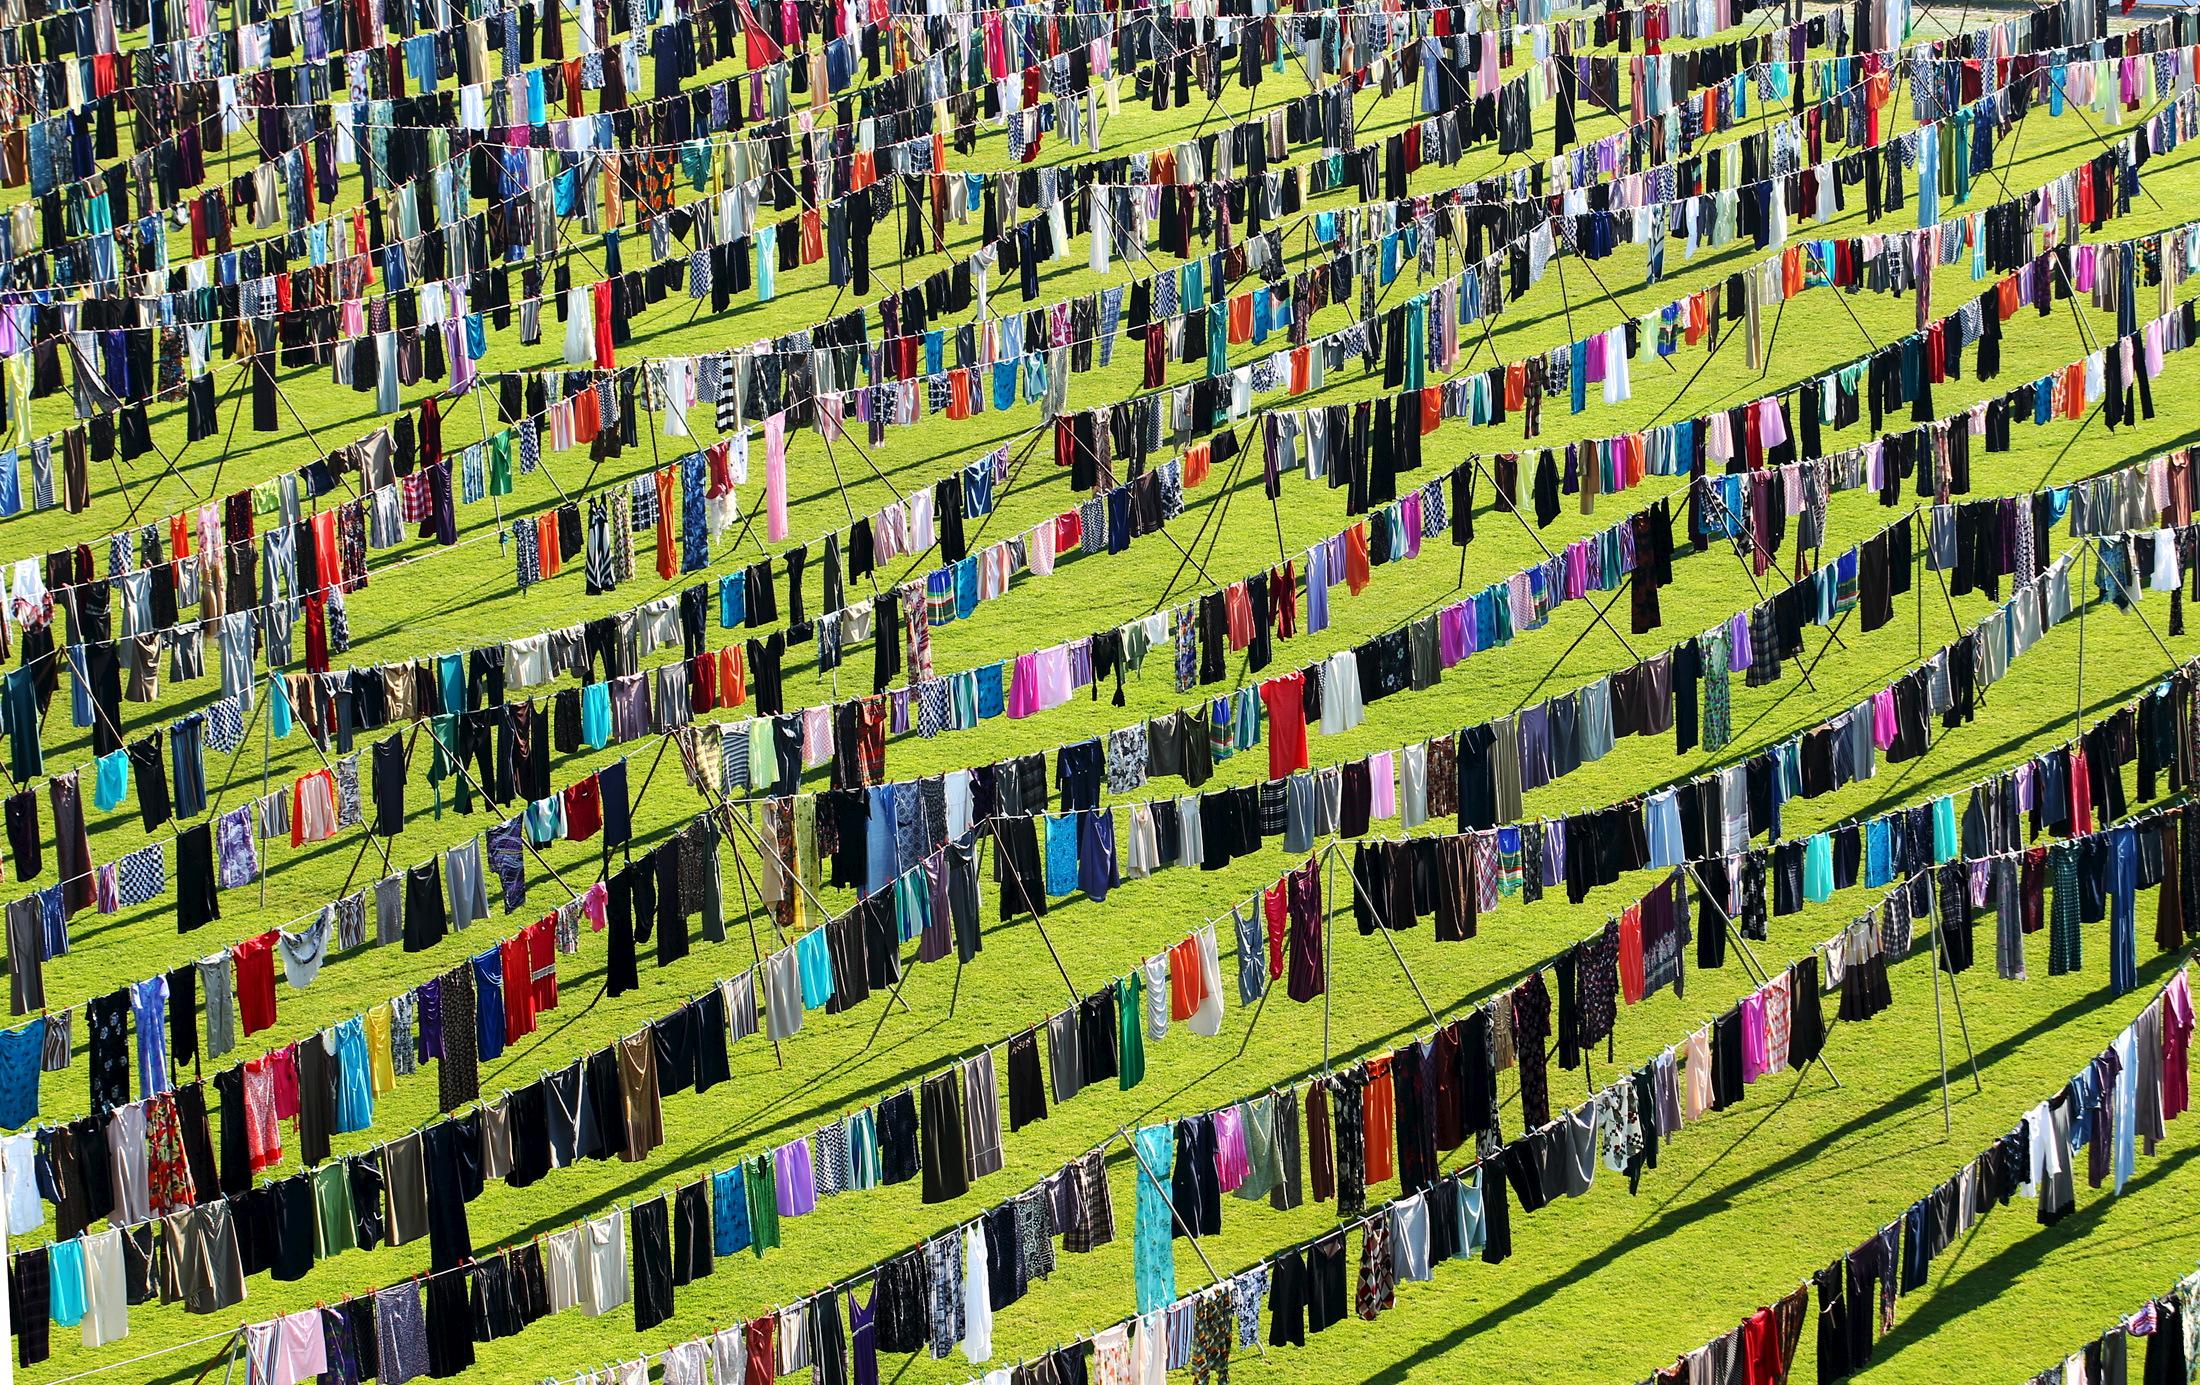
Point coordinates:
[(1189, 1234), (1749, 958), (1940, 1035), (1357, 892), (1025, 896), (1955, 993), (267, 744)]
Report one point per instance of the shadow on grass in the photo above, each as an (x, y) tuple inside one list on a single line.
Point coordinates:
[(1670, 1218)]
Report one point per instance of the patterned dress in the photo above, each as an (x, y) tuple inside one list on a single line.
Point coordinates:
[(166, 1169), (1378, 1271), (1214, 1324), (1718, 715)]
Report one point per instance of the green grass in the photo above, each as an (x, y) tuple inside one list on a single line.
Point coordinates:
[(1604, 1287)]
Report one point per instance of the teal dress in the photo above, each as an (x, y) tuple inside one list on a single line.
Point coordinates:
[(1818, 869), (1154, 1248)]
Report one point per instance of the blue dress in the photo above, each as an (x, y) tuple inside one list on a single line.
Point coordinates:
[(22, 1053), (1062, 854)]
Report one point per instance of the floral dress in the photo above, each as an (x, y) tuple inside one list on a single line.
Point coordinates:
[(1718, 717), (166, 1169), (1154, 1255)]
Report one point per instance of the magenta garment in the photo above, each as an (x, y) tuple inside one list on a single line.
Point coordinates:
[(1231, 1161), (1883, 718), (1577, 571), (1756, 1057), (1023, 687)]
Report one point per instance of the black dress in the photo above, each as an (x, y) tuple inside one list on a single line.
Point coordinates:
[(651, 1236), (942, 1137)]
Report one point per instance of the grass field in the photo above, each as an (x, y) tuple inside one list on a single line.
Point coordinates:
[(1604, 1287)]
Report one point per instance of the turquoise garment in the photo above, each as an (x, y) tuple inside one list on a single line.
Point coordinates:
[(596, 715), (546, 820), (1944, 829), (113, 784), (1245, 724), (966, 588), (1061, 854), (815, 961), (864, 1167), (355, 1084), (1416, 343), (767, 261), (1818, 869), (278, 707), (1154, 1248), (1928, 179), (65, 1272), (912, 904)]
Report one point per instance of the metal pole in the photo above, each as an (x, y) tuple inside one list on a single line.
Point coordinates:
[(1956, 993), (1917, 578), (2085, 603), (1384, 929), (1940, 1031), (1258, 1006), (756, 944), (1029, 908), (267, 740), (1749, 958), (1175, 1216)]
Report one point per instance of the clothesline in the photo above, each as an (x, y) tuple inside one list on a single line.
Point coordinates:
[(1305, 868), (1006, 815), (1909, 136), (1310, 214), (887, 884)]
